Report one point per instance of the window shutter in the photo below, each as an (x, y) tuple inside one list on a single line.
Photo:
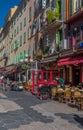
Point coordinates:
[(35, 8), (70, 7), (37, 25), (81, 3)]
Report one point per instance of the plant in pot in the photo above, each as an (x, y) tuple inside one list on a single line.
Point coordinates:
[(51, 16)]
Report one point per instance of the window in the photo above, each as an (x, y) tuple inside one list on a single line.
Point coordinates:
[(81, 3), (24, 6), (70, 7), (35, 8), (12, 47), (20, 40), (37, 25), (46, 76), (29, 50), (30, 13), (24, 37), (14, 32), (20, 26), (21, 57), (28, 33), (24, 54), (16, 44), (17, 29), (35, 47), (24, 21)]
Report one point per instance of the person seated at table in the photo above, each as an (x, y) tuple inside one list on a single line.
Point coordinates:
[(60, 81)]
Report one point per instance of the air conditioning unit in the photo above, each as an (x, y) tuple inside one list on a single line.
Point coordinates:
[(65, 44)]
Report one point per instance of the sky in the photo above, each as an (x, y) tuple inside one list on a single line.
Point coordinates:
[(5, 6)]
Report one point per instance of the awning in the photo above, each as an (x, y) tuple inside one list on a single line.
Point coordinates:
[(10, 71), (75, 16), (2, 70), (49, 59), (70, 61)]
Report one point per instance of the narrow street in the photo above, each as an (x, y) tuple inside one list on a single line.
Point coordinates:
[(23, 111)]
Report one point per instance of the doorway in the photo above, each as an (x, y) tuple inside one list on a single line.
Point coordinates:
[(76, 76)]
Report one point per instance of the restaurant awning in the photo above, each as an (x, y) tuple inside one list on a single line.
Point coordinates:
[(10, 71), (70, 61), (75, 16)]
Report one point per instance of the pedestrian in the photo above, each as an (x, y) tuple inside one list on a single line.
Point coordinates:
[(60, 81), (1, 79), (5, 83)]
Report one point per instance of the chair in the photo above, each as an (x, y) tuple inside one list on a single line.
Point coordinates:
[(78, 98), (67, 95), (60, 94), (53, 92)]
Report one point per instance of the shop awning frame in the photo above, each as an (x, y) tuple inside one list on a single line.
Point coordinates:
[(70, 61)]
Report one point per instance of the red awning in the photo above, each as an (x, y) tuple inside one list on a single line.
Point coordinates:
[(69, 61), (10, 71), (2, 70)]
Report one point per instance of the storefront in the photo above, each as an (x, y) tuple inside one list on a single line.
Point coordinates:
[(71, 69)]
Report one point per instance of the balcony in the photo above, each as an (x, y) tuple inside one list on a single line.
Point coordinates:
[(54, 24)]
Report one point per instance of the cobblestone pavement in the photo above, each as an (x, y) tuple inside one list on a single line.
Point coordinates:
[(23, 111)]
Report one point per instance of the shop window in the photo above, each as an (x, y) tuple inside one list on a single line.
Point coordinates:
[(46, 76), (54, 75)]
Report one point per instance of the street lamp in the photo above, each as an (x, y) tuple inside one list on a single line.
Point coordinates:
[(29, 61), (24, 66)]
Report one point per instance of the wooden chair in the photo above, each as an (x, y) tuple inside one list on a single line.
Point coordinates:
[(53, 93), (67, 95), (78, 99), (60, 94)]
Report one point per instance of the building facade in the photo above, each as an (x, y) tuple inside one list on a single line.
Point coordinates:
[(71, 60), (48, 31)]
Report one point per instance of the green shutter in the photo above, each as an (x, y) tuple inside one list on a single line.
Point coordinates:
[(24, 54), (20, 40), (57, 9), (25, 21), (81, 3), (70, 7), (24, 37)]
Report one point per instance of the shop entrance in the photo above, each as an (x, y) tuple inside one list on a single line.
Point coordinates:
[(76, 76)]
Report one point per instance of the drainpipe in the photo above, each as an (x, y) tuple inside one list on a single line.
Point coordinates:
[(63, 19)]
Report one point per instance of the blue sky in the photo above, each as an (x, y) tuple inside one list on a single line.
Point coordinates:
[(5, 6)]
